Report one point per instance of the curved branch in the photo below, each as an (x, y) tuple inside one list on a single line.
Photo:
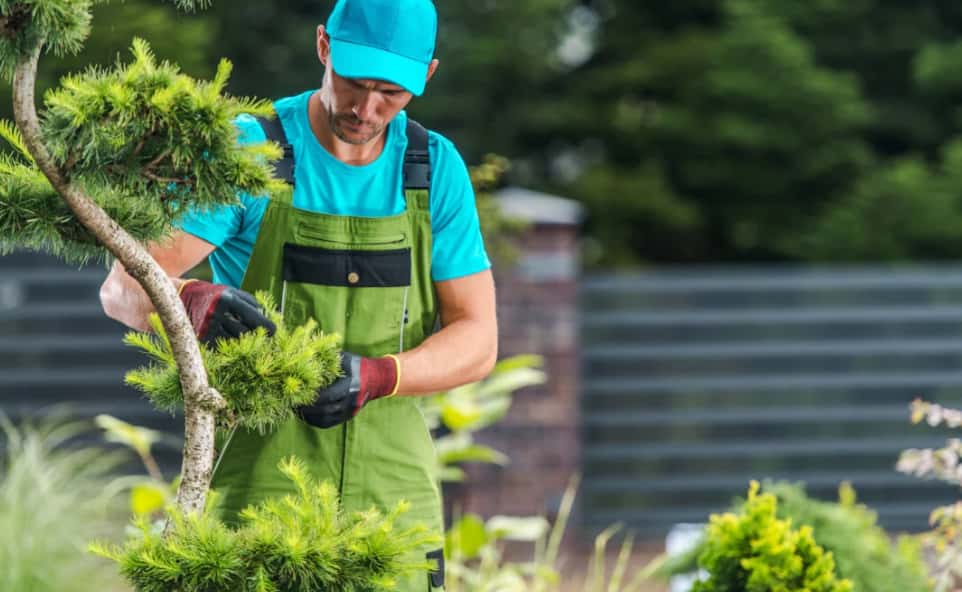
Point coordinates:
[(199, 398), (149, 175), (157, 159), (140, 146)]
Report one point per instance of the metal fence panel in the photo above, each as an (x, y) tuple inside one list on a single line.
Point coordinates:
[(58, 351), (696, 381)]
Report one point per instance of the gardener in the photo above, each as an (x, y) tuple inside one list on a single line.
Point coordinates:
[(379, 242)]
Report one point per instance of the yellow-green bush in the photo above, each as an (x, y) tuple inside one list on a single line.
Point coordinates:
[(754, 551)]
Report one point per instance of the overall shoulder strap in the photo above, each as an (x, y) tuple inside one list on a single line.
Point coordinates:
[(417, 159), (274, 130)]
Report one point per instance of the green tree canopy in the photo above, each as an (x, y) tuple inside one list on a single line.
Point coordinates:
[(695, 130)]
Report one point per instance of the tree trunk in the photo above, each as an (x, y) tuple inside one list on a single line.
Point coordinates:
[(200, 400)]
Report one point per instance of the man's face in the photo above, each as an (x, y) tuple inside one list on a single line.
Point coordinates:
[(358, 109)]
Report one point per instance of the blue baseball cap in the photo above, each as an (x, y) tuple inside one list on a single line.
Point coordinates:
[(390, 40)]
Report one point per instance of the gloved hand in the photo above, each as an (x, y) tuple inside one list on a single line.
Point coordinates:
[(218, 311), (364, 380)]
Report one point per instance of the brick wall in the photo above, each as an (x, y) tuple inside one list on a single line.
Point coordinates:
[(537, 313)]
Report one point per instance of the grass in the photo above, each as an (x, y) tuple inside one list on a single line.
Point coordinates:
[(53, 500), (478, 562)]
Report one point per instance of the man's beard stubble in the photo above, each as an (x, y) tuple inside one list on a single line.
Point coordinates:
[(335, 124)]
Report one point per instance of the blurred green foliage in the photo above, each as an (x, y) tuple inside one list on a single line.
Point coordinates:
[(695, 130), (53, 499), (470, 408), (755, 550), (862, 551)]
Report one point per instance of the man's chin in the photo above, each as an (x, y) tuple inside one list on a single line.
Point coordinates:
[(356, 138)]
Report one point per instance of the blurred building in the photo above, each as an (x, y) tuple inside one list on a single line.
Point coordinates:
[(537, 313)]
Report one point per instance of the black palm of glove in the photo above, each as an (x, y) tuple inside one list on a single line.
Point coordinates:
[(219, 312), (336, 403), (363, 380)]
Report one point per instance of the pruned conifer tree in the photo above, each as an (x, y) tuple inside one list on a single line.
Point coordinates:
[(108, 164)]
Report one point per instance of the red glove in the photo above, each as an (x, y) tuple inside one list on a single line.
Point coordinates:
[(364, 380), (221, 312)]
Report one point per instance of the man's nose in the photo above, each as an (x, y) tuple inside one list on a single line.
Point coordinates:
[(365, 105)]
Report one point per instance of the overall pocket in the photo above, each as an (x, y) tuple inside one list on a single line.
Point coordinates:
[(360, 293), (362, 239), (436, 576)]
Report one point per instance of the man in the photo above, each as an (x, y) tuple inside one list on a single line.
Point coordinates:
[(368, 253)]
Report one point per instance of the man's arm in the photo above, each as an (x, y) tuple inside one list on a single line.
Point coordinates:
[(466, 347), (122, 297)]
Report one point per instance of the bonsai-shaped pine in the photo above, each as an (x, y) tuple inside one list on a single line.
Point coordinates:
[(116, 157), (111, 162)]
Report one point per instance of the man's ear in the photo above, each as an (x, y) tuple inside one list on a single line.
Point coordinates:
[(323, 45), (432, 67)]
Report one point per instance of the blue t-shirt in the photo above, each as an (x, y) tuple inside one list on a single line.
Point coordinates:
[(326, 185)]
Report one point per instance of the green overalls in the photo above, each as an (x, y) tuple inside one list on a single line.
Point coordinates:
[(368, 279)]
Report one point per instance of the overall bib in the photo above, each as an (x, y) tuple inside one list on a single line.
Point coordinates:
[(368, 279)]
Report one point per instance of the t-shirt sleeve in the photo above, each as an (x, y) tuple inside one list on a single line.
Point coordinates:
[(458, 248), (220, 224), (216, 226)]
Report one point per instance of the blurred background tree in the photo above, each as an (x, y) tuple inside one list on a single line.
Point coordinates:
[(693, 131)]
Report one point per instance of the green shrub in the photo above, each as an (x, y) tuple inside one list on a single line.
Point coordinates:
[(755, 551), (863, 552), (299, 543)]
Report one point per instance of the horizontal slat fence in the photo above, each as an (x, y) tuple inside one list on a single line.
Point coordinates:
[(59, 350), (696, 381)]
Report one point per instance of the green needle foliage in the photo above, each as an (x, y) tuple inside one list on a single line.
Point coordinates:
[(144, 141), (262, 377), (756, 552), (62, 25), (29, 208), (192, 5), (299, 543), (157, 133), (34, 216)]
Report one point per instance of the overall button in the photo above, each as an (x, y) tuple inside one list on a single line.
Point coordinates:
[(353, 278)]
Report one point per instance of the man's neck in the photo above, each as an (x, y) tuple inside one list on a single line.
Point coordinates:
[(353, 154)]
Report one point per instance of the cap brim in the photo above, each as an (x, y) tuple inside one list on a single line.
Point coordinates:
[(351, 60)]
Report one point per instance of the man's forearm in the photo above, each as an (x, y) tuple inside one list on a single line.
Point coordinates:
[(124, 300), (462, 352)]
